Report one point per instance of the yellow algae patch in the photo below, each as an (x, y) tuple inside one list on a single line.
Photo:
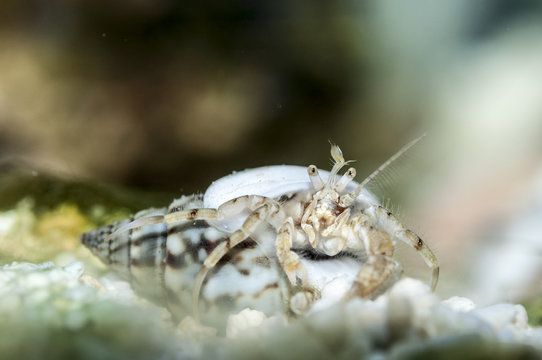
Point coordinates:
[(26, 236)]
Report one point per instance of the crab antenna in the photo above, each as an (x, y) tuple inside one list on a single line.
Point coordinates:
[(338, 164), (345, 179), (336, 153), (385, 165)]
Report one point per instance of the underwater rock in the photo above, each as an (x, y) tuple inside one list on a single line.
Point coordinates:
[(50, 312), (66, 313)]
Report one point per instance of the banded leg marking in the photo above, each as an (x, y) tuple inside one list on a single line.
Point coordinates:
[(372, 275), (393, 226), (228, 209), (288, 259), (251, 223)]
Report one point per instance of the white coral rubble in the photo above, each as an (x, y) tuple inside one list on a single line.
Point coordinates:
[(408, 319)]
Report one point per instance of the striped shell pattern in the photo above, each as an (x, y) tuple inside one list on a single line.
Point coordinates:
[(161, 264)]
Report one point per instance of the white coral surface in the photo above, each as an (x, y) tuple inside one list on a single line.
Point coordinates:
[(64, 313)]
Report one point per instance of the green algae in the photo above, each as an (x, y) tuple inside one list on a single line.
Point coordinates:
[(42, 216), (534, 311), (99, 202)]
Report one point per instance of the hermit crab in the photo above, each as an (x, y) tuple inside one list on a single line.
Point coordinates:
[(276, 239)]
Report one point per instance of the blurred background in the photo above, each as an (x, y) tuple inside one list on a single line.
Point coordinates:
[(167, 95)]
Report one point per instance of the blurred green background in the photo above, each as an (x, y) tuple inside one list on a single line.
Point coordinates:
[(168, 95)]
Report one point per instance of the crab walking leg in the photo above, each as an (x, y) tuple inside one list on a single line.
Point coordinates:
[(149, 220), (372, 275), (288, 259), (228, 209), (251, 223), (302, 301), (380, 264), (387, 221), (308, 228)]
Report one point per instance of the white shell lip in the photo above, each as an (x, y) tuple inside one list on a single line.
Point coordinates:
[(269, 181)]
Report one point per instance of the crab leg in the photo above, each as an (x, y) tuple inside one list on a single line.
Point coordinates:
[(372, 276), (380, 264), (288, 259), (229, 209), (251, 223), (387, 221)]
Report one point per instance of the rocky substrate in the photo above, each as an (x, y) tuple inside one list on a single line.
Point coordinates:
[(50, 311)]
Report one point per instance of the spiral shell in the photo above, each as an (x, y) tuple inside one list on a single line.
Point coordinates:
[(161, 264)]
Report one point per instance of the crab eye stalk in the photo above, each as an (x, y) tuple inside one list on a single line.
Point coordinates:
[(345, 179), (316, 180)]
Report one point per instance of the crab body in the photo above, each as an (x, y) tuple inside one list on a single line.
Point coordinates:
[(277, 239)]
